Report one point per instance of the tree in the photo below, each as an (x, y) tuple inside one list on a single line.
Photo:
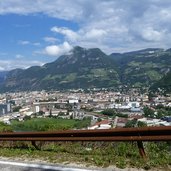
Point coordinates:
[(122, 115), (148, 112), (68, 106), (114, 113), (17, 108), (141, 124), (57, 106), (41, 112), (99, 119), (135, 123), (109, 112), (117, 101), (131, 123), (27, 117), (61, 114)]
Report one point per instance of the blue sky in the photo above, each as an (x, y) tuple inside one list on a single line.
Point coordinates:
[(35, 32)]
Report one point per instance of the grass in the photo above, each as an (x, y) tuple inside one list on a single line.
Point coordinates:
[(149, 65), (102, 154), (98, 153), (50, 77), (43, 124), (154, 75), (70, 77), (135, 64), (48, 124), (99, 72), (5, 128)]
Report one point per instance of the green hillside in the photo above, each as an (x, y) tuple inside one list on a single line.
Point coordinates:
[(82, 68), (164, 83), (91, 68), (144, 67)]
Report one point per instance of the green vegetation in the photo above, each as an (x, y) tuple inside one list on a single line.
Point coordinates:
[(135, 123), (70, 77), (131, 123), (148, 112), (84, 69), (5, 127), (108, 112), (49, 77), (163, 83), (92, 68), (160, 111), (163, 111), (100, 154), (113, 113), (138, 84), (83, 123), (150, 64), (135, 64), (49, 124), (154, 75), (16, 108), (99, 72)]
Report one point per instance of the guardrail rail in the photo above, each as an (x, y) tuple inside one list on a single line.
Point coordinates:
[(139, 134)]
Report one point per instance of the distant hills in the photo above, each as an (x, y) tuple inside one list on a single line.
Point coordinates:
[(164, 83), (144, 67), (89, 68), (3, 76), (81, 68)]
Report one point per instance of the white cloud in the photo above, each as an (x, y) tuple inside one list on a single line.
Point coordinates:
[(2, 68), (6, 65), (26, 42), (57, 8), (82, 36), (122, 25), (36, 44), (69, 34), (150, 34), (57, 50), (112, 25), (95, 34), (23, 42), (18, 56), (50, 39)]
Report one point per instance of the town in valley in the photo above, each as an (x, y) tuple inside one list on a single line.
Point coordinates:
[(105, 108)]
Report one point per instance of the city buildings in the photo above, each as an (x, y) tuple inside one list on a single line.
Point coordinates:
[(78, 104)]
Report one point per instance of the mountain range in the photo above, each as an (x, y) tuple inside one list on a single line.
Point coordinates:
[(144, 67), (90, 68), (163, 84), (3, 76)]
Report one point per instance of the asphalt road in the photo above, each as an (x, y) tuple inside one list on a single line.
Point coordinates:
[(19, 166), (7, 165)]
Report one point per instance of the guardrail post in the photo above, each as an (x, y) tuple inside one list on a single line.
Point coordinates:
[(35, 145), (141, 149)]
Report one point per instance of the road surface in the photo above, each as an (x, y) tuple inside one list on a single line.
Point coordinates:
[(19, 166)]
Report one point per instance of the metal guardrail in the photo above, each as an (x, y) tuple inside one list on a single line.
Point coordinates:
[(118, 134)]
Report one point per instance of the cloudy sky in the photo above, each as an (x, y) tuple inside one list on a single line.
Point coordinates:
[(33, 32)]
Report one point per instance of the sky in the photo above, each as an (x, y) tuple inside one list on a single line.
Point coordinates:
[(34, 32)]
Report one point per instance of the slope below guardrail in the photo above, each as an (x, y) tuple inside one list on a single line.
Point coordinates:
[(117, 134)]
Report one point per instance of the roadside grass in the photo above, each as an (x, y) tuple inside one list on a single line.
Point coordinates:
[(5, 128), (49, 124), (100, 154)]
